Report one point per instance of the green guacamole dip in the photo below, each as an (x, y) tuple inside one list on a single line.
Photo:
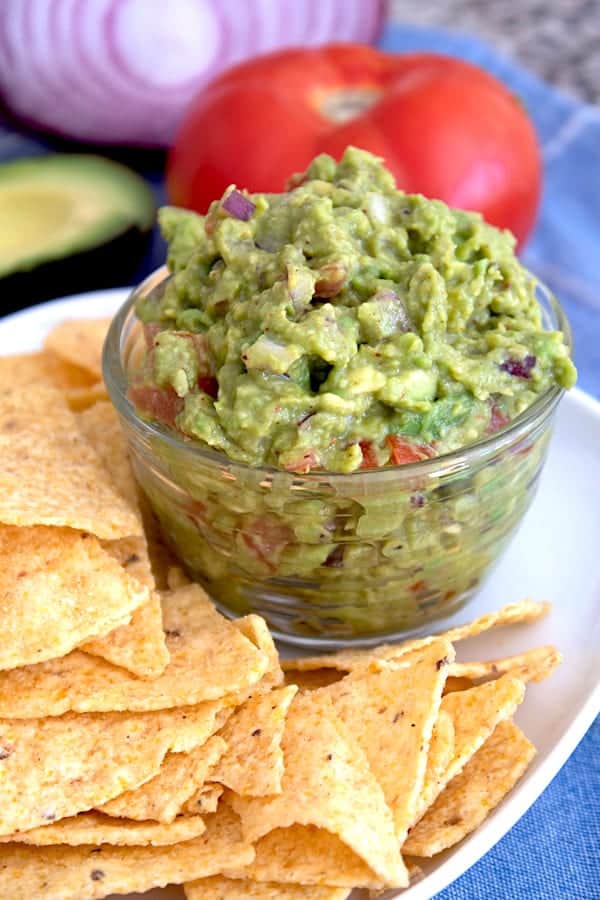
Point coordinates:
[(345, 324), (341, 326)]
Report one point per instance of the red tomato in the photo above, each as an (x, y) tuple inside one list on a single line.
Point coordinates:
[(402, 451), (369, 457), (445, 128)]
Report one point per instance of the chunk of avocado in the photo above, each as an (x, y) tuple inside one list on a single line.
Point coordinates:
[(68, 223)]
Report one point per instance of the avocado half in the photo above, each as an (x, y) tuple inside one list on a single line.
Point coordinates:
[(69, 223)]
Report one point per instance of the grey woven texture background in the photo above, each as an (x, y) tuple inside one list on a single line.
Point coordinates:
[(559, 40)]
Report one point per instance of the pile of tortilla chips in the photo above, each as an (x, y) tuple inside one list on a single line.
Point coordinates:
[(146, 740)]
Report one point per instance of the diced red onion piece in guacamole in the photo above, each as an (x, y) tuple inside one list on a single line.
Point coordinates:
[(238, 206), (520, 368)]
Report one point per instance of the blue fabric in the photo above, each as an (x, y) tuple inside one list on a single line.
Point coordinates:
[(553, 853)]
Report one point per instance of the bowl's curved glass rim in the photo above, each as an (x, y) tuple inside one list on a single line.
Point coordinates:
[(457, 460)]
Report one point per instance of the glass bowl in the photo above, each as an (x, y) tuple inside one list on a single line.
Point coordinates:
[(334, 559)]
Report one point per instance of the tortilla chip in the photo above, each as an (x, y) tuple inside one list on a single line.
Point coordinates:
[(312, 678), (328, 783), (94, 828), (50, 475), (164, 796), (204, 801), (210, 659), (53, 768), (256, 630), (474, 793), (346, 660), (80, 342), (101, 426), (390, 710), (79, 399), (441, 752), (253, 763), (139, 646), (43, 369), (219, 888), (58, 588), (303, 854), (475, 714), (532, 665), (75, 873)]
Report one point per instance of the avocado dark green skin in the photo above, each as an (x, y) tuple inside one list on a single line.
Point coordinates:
[(110, 264)]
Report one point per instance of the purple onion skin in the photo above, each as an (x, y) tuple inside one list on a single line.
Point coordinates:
[(238, 206), (520, 368)]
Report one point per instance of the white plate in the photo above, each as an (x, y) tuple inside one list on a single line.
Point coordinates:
[(553, 557)]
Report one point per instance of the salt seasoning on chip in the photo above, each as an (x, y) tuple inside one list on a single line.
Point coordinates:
[(209, 659), (58, 588)]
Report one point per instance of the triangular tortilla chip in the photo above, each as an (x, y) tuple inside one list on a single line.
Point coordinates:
[(53, 768), (79, 342), (164, 796), (219, 888), (75, 873), (205, 800), (532, 665), (58, 588), (50, 474), (140, 645), (346, 660), (474, 793), (210, 659), (94, 828), (304, 854), (475, 714), (253, 763), (390, 709), (328, 783), (441, 751)]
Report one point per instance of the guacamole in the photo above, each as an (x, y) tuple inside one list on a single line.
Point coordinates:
[(343, 324), (338, 327)]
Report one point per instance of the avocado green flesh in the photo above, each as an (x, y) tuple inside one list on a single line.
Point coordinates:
[(56, 206)]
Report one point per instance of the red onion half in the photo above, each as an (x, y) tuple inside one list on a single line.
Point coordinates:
[(123, 71)]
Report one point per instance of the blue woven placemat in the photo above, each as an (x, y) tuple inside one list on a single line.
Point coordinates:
[(553, 853)]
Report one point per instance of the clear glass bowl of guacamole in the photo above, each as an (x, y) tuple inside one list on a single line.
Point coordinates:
[(338, 401)]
